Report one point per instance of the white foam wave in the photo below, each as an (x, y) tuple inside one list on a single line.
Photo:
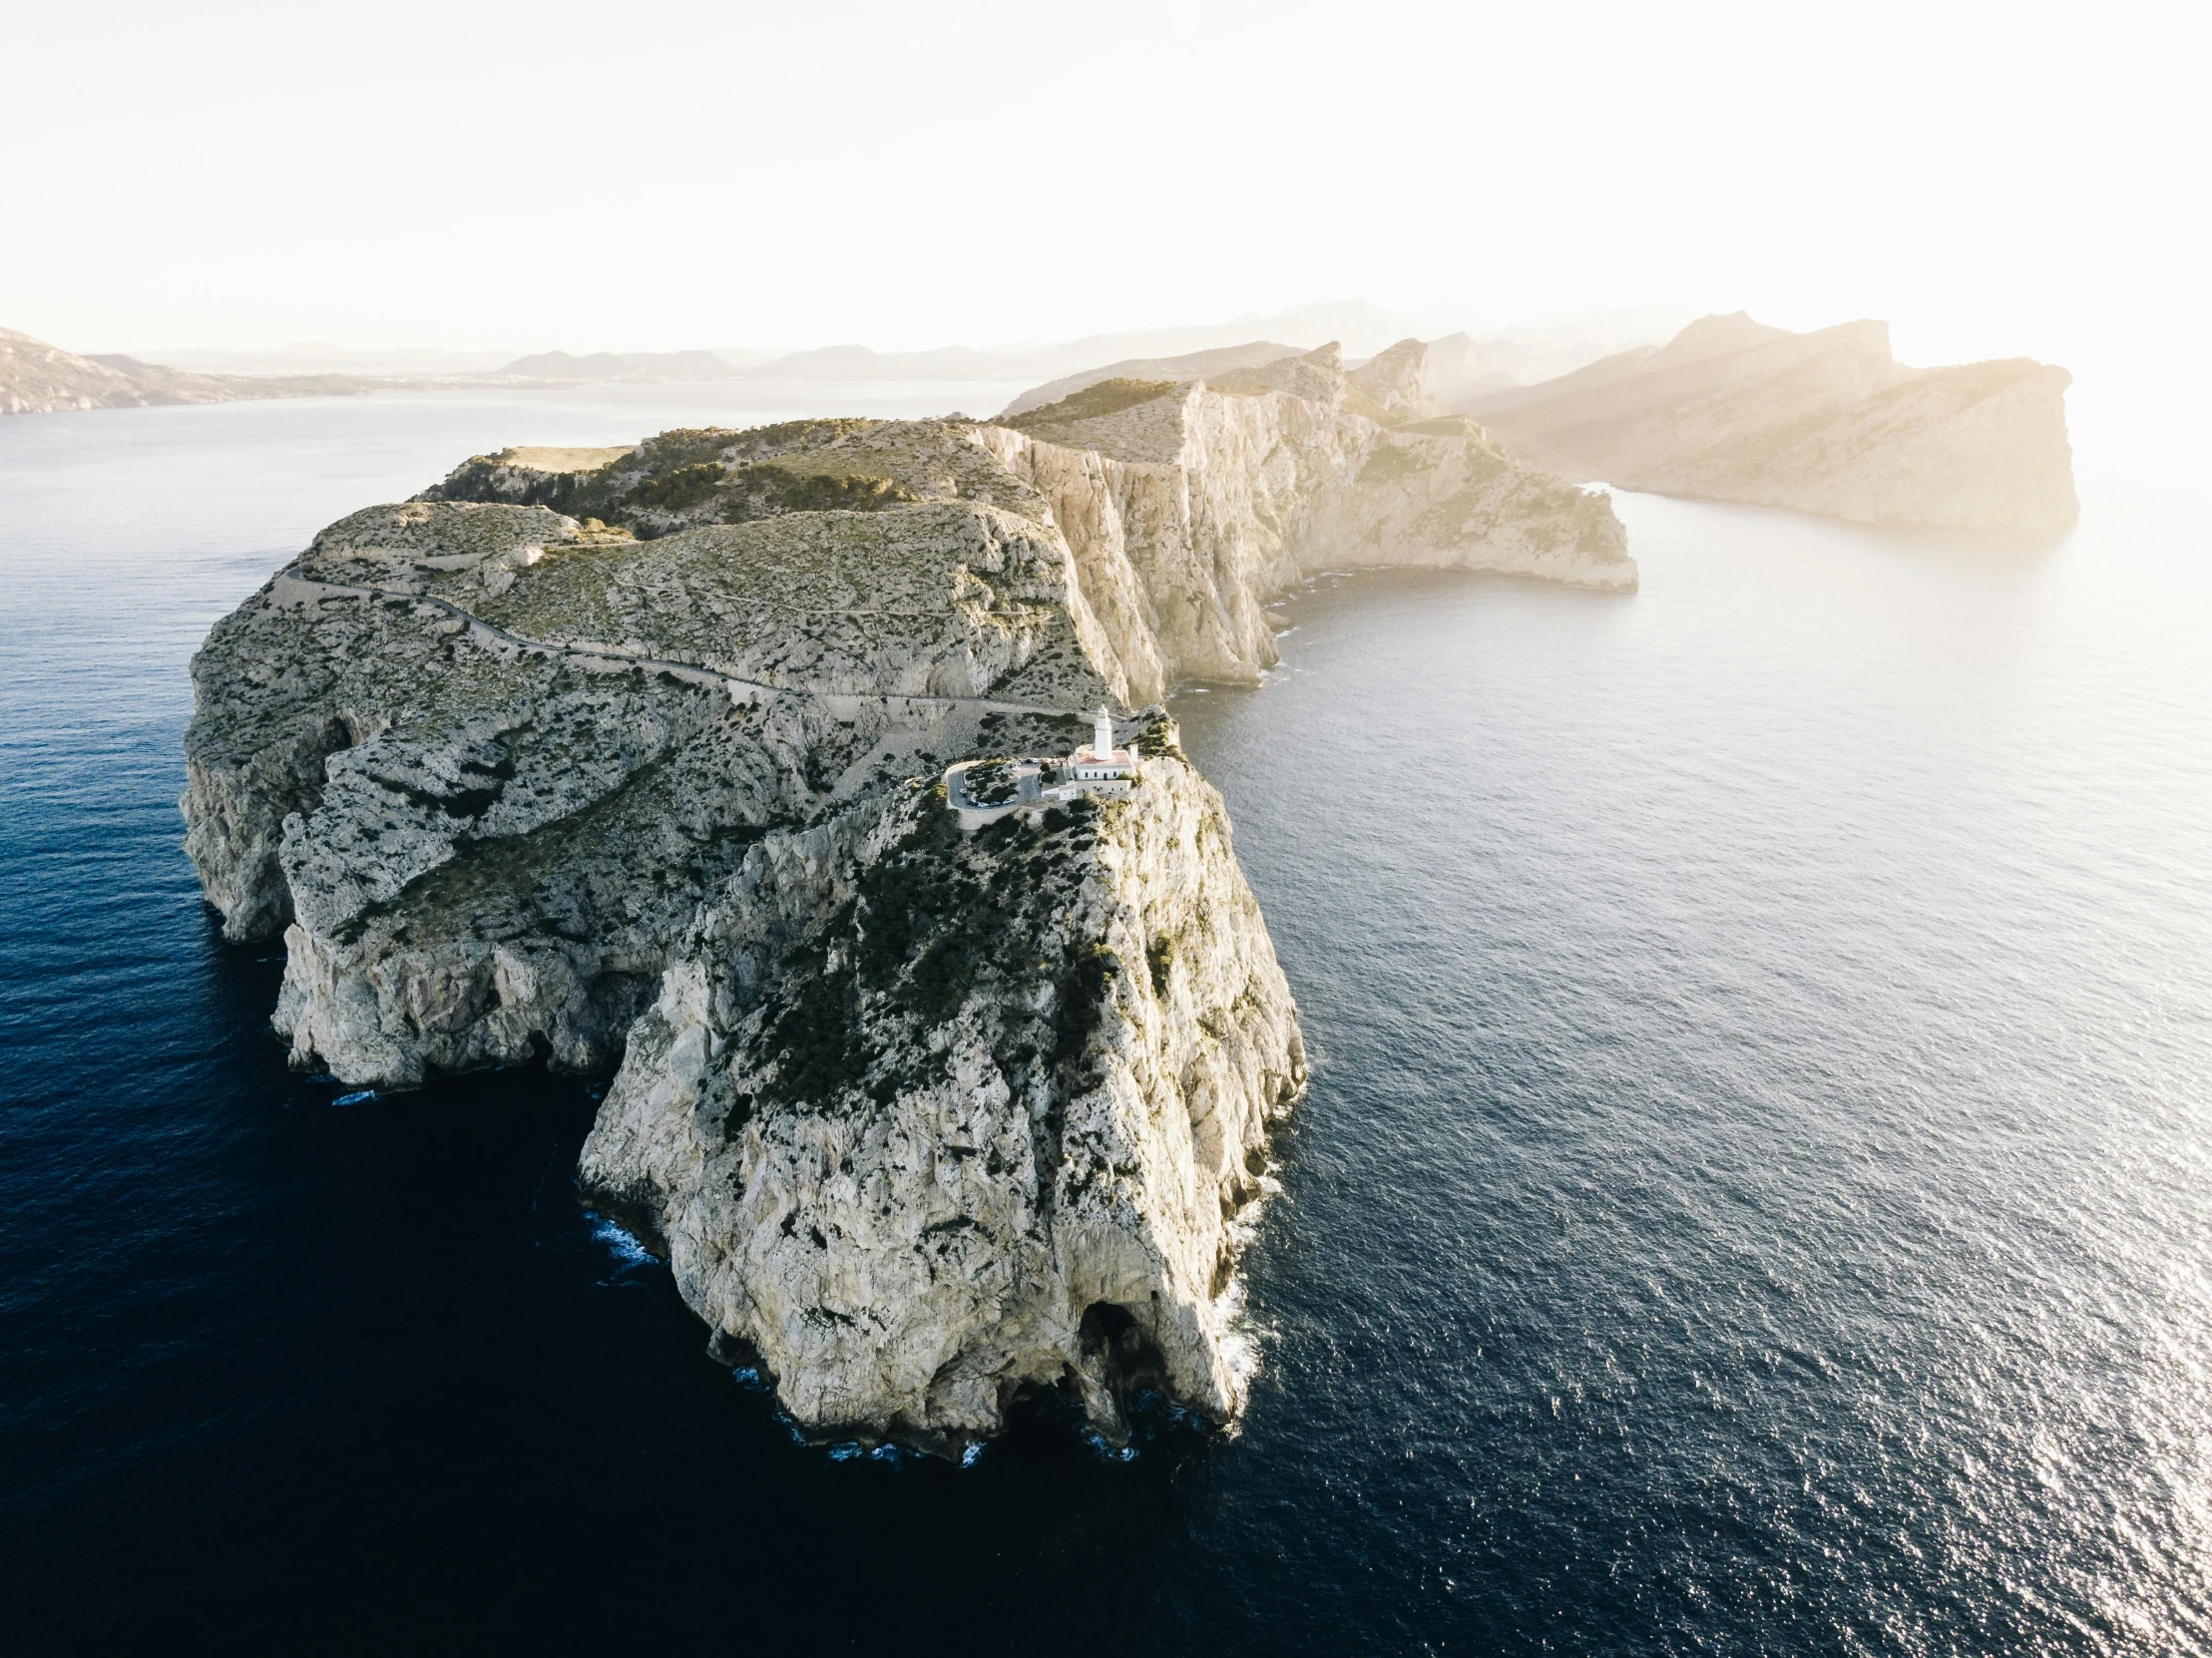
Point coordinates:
[(622, 1244)]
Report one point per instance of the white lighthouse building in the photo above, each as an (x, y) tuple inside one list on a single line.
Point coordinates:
[(1101, 763), (983, 791)]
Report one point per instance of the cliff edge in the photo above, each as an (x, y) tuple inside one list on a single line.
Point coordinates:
[(924, 1119)]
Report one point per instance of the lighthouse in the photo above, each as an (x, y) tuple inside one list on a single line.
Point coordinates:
[(1101, 763), (983, 791)]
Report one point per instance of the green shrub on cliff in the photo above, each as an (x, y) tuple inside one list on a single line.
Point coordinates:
[(937, 916), (674, 491), (766, 487), (1095, 402)]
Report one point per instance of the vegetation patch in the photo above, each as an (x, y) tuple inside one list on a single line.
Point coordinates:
[(991, 782), (1086, 979), (763, 488), (1388, 464), (686, 485), (937, 916), (1095, 402), (785, 435), (1160, 957), (1161, 740), (1449, 426)]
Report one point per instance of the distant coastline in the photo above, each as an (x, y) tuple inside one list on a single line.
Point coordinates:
[(38, 377)]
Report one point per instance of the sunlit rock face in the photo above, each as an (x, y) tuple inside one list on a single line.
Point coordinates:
[(1823, 423), (628, 761), (1189, 506), (924, 1119), (485, 763)]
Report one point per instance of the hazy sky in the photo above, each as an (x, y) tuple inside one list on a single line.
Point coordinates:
[(1996, 179)]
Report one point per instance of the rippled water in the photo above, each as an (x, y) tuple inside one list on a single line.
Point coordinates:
[(1754, 1196)]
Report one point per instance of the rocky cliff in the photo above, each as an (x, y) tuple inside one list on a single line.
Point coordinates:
[(629, 759), (1824, 422), (924, 1119), (1189, 506)]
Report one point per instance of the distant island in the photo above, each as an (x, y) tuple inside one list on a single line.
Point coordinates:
[(813, 780), (1827, 422)]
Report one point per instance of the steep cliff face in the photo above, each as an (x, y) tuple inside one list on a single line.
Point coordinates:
[(630, 757), (1189, 507), (925, 1118), (1825, 423)]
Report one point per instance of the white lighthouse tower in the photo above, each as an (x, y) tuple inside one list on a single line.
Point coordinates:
[(1101, 763)]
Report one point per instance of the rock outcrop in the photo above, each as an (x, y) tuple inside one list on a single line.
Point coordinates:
[(629, 759), (1823, 423), (1394, 381), (926, 1118), (1190, 504), (37, 378)]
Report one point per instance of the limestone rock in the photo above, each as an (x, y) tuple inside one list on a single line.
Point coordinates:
[(1394, 380), (1829, 423), (629, 759), (1188, 508), (924, 1119)]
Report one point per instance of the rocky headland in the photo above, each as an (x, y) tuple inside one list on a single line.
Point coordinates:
[(629, 760), (1827, 423), (37, 378)]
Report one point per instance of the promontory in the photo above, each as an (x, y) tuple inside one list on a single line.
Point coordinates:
[(1825, 422), (37, 378), (762, 770)]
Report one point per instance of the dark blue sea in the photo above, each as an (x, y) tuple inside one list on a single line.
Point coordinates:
[(1755, 1195)]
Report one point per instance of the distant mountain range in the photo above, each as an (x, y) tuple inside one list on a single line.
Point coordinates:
[(37, 378), (34, 376), (411, 363), (1457, 365), (1365, 326), (623, 365), (1513, 356)]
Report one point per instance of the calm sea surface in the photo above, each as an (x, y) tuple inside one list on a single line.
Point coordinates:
[(1756, 1194)]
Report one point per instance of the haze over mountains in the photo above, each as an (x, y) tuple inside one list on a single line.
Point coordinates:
[(1725, 409), (37, 378), (1527, 351), (1522, 353), (1825, 422)]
